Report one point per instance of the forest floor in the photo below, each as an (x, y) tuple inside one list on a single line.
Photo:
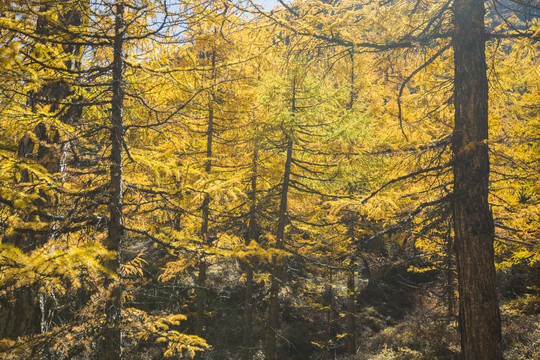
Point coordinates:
[(422, 337)]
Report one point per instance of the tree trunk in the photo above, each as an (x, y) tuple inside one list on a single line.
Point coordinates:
[(19, 314), (351, 286), (248, 315), (273, 312), (479, 316), (113, 335), (351, 310), (449, 274), (271, 353), (351, 293), (328, 296), (253, 234), (205, 209)]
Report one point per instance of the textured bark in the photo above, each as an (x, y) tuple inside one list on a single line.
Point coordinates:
[(19, 314), (113, 334), (449, 275), (273, 313), (473, 221)]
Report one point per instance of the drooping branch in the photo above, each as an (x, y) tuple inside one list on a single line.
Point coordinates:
[(409, 78)]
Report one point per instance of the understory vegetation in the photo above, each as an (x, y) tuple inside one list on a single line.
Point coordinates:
[(215, 179)]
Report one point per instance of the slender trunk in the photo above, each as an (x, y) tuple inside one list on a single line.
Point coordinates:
[(351, 286), (273, 315), (328, 297), (276, 272), (374, 269), (351, 297), (351, 310), (352, 93), (479, 315), (273, 325), (113, 335), (205, 209), (251, 236), (248, 316)]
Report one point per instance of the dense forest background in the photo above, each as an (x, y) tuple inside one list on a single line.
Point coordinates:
[(349, 179)]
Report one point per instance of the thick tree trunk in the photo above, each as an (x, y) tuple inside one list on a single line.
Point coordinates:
[(473, 221), (19, 314), (113, 335)]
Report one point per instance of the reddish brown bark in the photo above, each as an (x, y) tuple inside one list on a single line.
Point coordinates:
[(473, 221)]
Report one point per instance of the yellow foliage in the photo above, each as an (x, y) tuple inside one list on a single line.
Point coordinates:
[(53, 268), (134, 267), (161, 329)]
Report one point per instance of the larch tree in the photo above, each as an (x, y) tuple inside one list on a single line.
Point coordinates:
[(473, 220), (247, 169), (45, 58), (480, 323), (301, 119), (113, 336), (72, 266)]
